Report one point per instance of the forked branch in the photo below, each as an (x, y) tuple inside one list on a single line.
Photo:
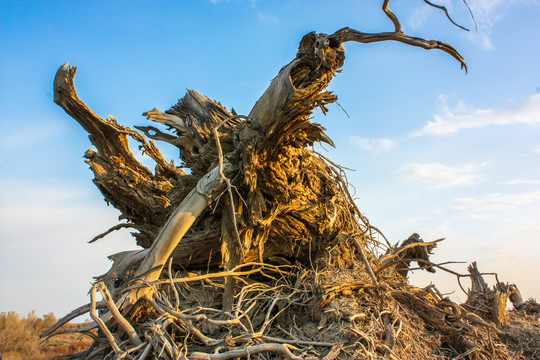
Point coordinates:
[(347, 34)]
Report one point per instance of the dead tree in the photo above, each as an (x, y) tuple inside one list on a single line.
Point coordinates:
[(284, 200), (257, 202)]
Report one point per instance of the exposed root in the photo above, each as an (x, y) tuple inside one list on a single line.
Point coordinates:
[(293, 312)]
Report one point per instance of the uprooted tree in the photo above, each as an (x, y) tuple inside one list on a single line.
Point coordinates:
[(259, 251)]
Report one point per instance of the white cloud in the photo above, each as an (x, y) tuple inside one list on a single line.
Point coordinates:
[(374, 145), (522, 182), (537, 150), (449, 121), (497, 202), (436, 176)]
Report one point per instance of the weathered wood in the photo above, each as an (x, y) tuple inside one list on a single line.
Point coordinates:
[(140, 195), (248, 352), (347, 34), (208, 188), (487, 302), (193, 120), (102, 326), (411, 249), (124, 324), (500, 300), (231, 255)]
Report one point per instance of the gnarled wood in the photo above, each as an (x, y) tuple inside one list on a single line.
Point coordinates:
[(296, 252), (140, 195)]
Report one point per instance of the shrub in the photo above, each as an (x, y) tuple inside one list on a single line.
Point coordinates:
[(19, 338)]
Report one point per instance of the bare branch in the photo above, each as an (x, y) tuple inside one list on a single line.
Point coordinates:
[(81, 310), (132, 334), (110, 338), (248, 351), (347, 34), (472, 15), (366, 262), (448, 15), (114, 228), (392, 17), (409, 246)]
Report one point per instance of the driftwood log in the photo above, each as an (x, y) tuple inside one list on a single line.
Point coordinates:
[(259, 230)]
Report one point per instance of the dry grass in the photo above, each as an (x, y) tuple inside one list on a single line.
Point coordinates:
[(19, 338)]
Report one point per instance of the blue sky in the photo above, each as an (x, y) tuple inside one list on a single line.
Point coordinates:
[(435, 151)]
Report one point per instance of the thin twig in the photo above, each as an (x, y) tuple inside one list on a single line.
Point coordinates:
[(114, 228), (472, 15), (366, 262), (429, 266), (228, 181), (234, 272), (448, 15), (298, 342), (192, 328), (468, 352)]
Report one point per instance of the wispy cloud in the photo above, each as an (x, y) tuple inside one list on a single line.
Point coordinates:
[(374, 145), (435, 175), (522, 182), (487, 13), (418, 18), (449, 121), (19, 137), (267, 19), (537, 150), (497, 202), (423, 12)]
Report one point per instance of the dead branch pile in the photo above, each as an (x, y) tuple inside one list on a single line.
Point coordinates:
[(259, 251)]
